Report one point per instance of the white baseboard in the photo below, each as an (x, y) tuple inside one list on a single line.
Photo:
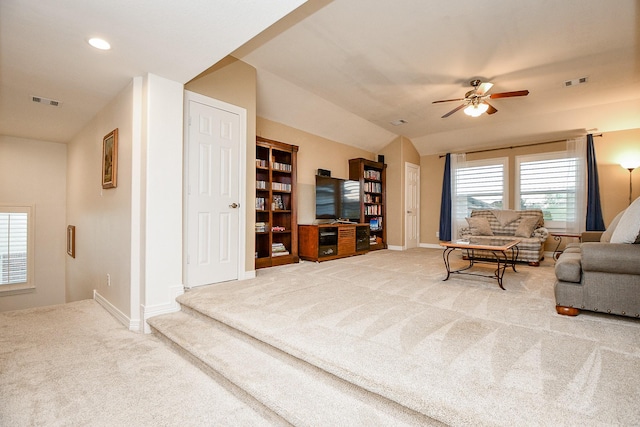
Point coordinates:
[(248, 275), (170, 307), (132, 325), (430, 246), (395, 248)]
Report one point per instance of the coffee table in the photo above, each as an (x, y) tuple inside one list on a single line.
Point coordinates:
[(505, 254)]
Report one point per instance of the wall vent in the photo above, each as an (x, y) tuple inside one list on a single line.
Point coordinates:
[(575, 82), (46, 101)]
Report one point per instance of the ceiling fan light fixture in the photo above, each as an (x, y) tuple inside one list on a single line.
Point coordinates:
[(475, 110)]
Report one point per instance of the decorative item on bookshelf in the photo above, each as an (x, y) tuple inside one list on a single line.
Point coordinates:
[(278, 204)]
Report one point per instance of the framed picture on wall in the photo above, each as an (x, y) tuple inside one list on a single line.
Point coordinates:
[(110, 159)]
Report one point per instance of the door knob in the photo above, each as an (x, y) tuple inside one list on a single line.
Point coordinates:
[(233, 205)]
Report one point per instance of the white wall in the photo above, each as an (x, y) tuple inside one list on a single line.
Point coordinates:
[(34, 172), (162, 156), (102, 216)]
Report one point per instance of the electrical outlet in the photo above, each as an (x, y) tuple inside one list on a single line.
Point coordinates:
[(437, 234), (108, 279)]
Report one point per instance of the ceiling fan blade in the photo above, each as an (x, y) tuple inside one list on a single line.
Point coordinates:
[(509, 94), (448, 100), (483, 88), (491, 109), (454, 110)]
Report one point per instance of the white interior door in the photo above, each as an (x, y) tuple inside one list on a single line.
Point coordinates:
[(412, 205), (213, 195)]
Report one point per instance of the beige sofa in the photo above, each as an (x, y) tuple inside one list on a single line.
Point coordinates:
[(598, 275), (502, 225)]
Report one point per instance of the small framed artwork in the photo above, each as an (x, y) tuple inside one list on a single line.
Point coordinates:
[(110, 160), (71, 241)]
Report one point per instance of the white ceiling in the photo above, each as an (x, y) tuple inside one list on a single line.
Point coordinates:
[(340, 69), (43, 52)]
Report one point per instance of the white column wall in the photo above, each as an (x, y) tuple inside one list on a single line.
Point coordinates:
[(162, 155)]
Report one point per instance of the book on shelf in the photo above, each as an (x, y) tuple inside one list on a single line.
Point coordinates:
[(275, 254), (284, 167), (261, 163), (280, 186), (278, 249), (261, 185), (373, 187), (262, 227), (372, 210), (372, 174), (260, 203)]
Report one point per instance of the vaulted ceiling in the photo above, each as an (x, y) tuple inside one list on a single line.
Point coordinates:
[(340, 69)]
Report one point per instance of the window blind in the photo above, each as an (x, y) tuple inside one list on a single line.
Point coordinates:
[(13, 247)]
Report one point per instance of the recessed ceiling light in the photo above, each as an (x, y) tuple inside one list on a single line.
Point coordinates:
[(399, 122), (99, 43)]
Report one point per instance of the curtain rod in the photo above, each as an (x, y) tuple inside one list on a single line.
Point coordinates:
[(517, 146)]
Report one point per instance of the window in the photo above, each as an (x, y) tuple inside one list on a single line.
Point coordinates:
[(478, 184), (16, 247), (481, 184), (550, 182)]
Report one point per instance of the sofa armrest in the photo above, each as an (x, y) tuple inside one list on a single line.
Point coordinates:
[(463, 233), (591, 236), (621, 258)]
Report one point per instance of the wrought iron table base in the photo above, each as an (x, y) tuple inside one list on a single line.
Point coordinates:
[(503, 260)]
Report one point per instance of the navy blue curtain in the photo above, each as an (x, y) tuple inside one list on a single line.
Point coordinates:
[(445, 201), (595, 222)]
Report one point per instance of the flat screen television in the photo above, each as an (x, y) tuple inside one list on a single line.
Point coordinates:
[(337, 199)]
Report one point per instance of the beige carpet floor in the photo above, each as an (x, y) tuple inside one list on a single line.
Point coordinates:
[(462, 351), (75, 365)]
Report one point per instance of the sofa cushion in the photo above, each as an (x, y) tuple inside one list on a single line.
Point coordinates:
[(628, 228), (568, 267), (606, 235), (613, 258), (479, 226), (506, 216), (572, 247), (526, 226)]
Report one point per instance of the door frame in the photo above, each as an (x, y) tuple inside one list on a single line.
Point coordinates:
[(407, 166), (242, 179)]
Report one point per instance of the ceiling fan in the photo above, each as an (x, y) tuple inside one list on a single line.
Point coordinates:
[(475, 100)]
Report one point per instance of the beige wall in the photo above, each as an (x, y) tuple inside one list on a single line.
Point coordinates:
[(611, 149), (34, 173), (396, 154), (614, 180), (314, 153), (102, 216), (234, 82)]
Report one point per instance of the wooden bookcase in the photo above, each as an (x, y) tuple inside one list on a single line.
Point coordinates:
[(372, 177), (276, 219)]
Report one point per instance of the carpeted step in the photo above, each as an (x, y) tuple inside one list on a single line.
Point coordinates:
[(297, 392)]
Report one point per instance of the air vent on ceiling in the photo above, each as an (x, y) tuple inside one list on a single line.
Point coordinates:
[(399, 122), (46, 101), (575, 82)]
